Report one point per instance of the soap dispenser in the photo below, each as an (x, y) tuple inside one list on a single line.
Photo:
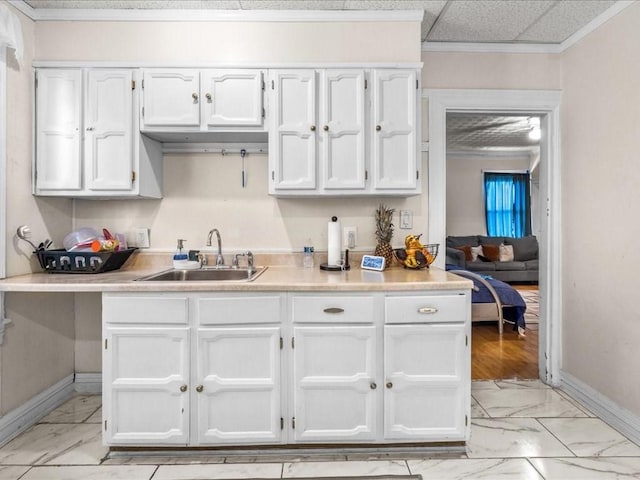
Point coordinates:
[(180, 258)]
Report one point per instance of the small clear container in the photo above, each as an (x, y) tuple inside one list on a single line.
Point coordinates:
[(307, 259)]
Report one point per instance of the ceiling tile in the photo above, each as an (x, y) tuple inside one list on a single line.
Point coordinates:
[(564, 19), (292, 4), (137, 4), (487, 20)]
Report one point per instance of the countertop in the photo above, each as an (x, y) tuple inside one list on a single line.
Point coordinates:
[(275, 278)]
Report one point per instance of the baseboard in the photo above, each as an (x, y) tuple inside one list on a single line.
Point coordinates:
[(18, 420), (88, 383), (626, 422)]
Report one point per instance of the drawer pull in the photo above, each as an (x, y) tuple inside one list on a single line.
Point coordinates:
[(428, 310), (333, 310)]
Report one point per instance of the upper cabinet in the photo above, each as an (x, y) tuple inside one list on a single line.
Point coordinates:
[(332, 133), (202, 100), (88, 142)]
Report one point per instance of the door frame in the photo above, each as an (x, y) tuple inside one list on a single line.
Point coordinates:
[(545, 103)]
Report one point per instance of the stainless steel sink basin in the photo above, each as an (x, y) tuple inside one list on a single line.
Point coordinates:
[(206, 275)]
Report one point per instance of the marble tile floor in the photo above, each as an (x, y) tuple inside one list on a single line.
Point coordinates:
[(520, 430)]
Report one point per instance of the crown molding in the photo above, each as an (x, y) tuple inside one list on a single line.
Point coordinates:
[(495, 152), (205, 15)]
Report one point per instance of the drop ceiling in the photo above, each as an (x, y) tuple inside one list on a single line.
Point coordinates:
[(459, 21)]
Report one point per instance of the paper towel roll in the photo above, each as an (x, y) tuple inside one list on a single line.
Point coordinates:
[(334, 243)]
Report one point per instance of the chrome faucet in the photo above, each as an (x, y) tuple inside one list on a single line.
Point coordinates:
[(219, 257), (249, 256)]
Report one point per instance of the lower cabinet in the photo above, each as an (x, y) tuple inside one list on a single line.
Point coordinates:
[(204, 369)]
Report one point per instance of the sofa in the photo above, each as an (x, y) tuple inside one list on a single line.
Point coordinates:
[(504, 258)]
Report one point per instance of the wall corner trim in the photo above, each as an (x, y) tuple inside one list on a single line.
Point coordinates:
[(626, 422)]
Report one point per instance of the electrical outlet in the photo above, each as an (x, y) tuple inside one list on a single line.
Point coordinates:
[(406, 219), (142, 237), (350, 237)]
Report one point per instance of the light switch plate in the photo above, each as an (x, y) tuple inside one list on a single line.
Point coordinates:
[(142, 237), (406, 219)]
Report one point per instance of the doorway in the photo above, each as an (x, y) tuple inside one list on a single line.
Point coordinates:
[(546, 105)]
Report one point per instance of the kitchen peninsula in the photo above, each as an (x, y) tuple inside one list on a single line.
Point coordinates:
[(296, 356)]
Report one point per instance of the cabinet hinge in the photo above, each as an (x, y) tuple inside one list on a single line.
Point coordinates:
[(466, 420), (105, 343), (417, 174), (466, 340), (263, 86), (142, 112), (366, 84), (366, 175), (273, 85), (281, 343), (293, 422), (105, 424), (36, 80), (133, 176), (133, 84), (293, 342), (281, 423), (416, 84), (263, 113), (273, 175), (142, 84)]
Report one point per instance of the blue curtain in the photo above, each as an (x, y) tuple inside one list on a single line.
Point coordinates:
[(507, 204)]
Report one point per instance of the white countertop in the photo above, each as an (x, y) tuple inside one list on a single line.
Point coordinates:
[(275, 278)]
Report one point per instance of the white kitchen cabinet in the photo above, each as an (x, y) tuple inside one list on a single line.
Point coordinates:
[(325, 152), (192, 369), (394, 162), (424, 382), (334, 370), (293, 131), (87, 138), (146, 378), (238, 385), (192, 100)]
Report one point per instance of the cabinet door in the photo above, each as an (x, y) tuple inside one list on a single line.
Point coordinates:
[(58, 120), (232, 98), (426, 382), (146, 387), (394, 129), (292, 133), (109, 129), (342, 122), (335, 394), (171, 98), (238, 385)]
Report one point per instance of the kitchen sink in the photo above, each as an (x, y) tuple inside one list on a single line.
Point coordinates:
[(206, 275)]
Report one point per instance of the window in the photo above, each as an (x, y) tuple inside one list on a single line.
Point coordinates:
[(507, 204)]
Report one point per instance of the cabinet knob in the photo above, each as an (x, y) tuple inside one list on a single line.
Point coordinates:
[(199, 388), (326, 128), (378, 128), (194, 96), (89, 129), (183, 388), (373, 386), (389, 385), (313, 128), (208, 95)]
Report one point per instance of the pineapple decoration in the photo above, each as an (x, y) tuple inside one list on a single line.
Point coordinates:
[(384, 232)]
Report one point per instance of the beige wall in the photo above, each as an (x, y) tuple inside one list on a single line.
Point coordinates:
[(465, 193), (601, 196), (38, 345)]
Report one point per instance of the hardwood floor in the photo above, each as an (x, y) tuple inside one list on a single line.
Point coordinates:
[(510, 356), (507, 357)]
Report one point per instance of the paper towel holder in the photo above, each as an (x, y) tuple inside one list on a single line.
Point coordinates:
[(342, 266)]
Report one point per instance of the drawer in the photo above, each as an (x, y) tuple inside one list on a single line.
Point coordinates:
[(239, 309), (426, 309), (156, 308), (331, 309)]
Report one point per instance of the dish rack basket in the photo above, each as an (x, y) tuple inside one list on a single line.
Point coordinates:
[(61, 261)]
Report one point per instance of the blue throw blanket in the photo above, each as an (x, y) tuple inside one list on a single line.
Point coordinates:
[(513, 305)]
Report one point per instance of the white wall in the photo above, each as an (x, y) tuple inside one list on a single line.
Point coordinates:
[(601, 199), (465, 190)]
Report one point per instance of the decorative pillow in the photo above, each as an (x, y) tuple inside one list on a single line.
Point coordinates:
[(467, 252), (476, 252), (492, 252), (506, 253)]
